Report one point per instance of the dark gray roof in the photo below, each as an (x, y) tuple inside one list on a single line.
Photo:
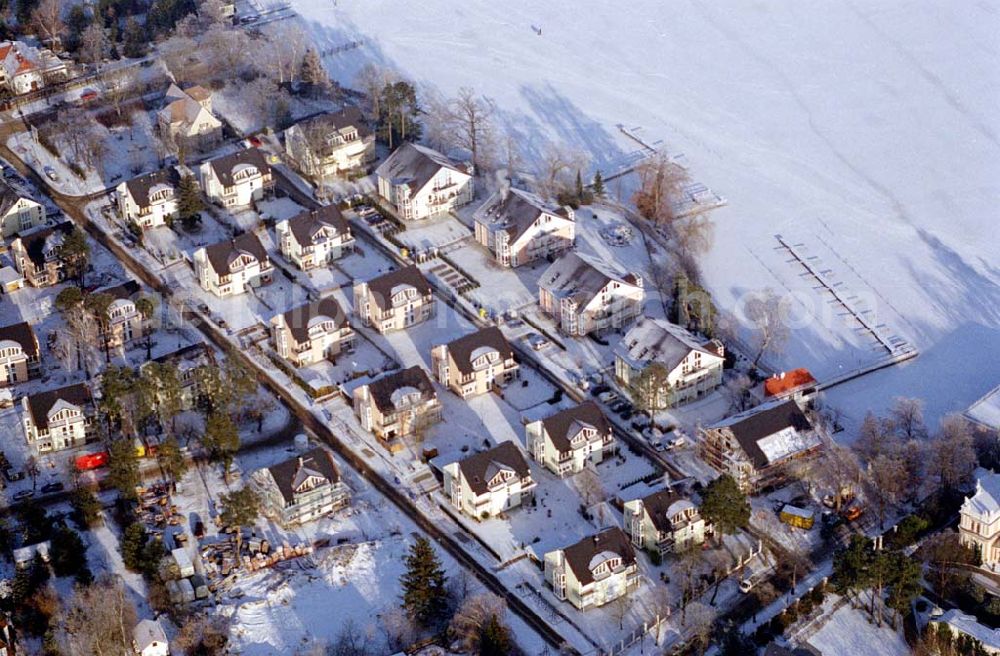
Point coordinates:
[(223, 166), (557, 426), (658, 340), (189, 352), (579, 556), (581, 277), (380, 288), (336, 121), (124, 291), (461, 349), (306, 224), (8, 197), (289, 474), (297, 319), (750, 427), (415, 166), (657, 506), (40, 404), (34, 242), (23, 335), (516, 210), (381, 389), (224, 252), (481, 467), (139, 187)]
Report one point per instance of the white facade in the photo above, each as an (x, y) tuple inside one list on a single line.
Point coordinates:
[(489, 483), (583, 296), (595, 571), (663, 522), (312, 239), (330, 144), (693, 366), (148, 201), (231, 268), (311, 333), (21, 69), (56, 420), (236, 180), (188, 118), (517, 227), (979, 519), (149, 639), (419, 182), (18, 213), (566, 441)]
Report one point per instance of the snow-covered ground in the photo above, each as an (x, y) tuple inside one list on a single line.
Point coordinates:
[(863, 130), (851, 631)]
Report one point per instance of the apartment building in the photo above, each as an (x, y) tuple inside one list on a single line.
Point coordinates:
[(312, 333), (398, 404), (395, 300), (595, 571), (301, 489), (419, 183), (229, 268), (583, 295), (490, 482), (476, 363), (238, 179), (58, 419), (19, 354), (18, 213), (664, 522), (332, 144), (314, 238), (566, 441), (150, 200), (518, 227)]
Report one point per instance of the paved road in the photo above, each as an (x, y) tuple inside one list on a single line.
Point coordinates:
[(74, 208)]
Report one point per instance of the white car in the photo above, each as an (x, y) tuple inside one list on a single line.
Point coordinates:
[(51, 174), (676, 441), (608, 397), (746, 585)]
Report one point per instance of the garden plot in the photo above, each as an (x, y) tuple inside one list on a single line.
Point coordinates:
[(500, 289), (849, 631), (364, 360), (128, 152), (413, 345), (364, 263), (434, 233), (278, 209)]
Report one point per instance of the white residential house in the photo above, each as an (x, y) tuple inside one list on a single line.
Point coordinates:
[(57, 419), (518, 227), (566, 441), (595, 571), (664, 522), (394, 300), (229, 268), (692, 367), (18, 213), (24, 68), (583, 295), (489, 483), (19, 354), (301, 489), (758, 447), (979, 519), (476, 363), (236, 180), (149, 639), (312, 333), (397, 405), (329, 145), (187, 117), (419, 182), (150, 200), (37, 254), (314, 238), (125, 322)]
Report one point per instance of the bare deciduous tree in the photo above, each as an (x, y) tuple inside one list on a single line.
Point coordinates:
[(557, 166), (397, 628), (94, 43), (353, 641), (467, 624), (907, 416), (661, 182), (767, 314), (99, 619), (699, 621), (588, 482), (47, 21), (737, 390), (371, 79), (466, 121), (120, 85), (952, 453)]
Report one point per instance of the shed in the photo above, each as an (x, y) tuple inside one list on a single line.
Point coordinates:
[(149, 639), (798, 517), (24, 555), (184, 564)]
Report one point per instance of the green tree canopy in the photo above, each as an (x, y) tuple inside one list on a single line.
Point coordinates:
[(425, 597), (725, 506)]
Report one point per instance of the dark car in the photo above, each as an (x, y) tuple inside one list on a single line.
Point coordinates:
[(53, 487), (23, 494), (199, 529), (618, 406), (599, 389)]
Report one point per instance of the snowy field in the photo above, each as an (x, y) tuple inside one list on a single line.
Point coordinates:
[(849, 631), (868, 130)]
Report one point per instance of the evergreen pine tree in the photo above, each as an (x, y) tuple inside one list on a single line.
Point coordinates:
[(598, 184), (135, 41), (494, 638), (189, 203), (579, 186), (313, 74), (725, 505), (424, 594)]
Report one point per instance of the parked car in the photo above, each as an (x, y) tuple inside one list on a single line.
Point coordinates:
[(199, 529), (853, 513), (537, 342), (618, 406), (13, 475), (627, 412), (675, 441), (746, 585), (608, 397), (53, 487), (23, 494), (51, 174), (597, 390)]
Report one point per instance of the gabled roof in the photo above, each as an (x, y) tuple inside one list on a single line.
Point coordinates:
[(582, 278), (515, 211), (415, 166), (307, 223), (289, 474), (382, 389), (380, 288), (658, 340), (124, 291), (147, 632), (40, 404), (23, 335), (225, 166), (558, 425), (662, 505), (986, 500), (771, 432), (480, 468), (581, 556), (34, 243), (140, 187), (298, 319), (8, 197), (335, 122), (223, 253), (464, 349)]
